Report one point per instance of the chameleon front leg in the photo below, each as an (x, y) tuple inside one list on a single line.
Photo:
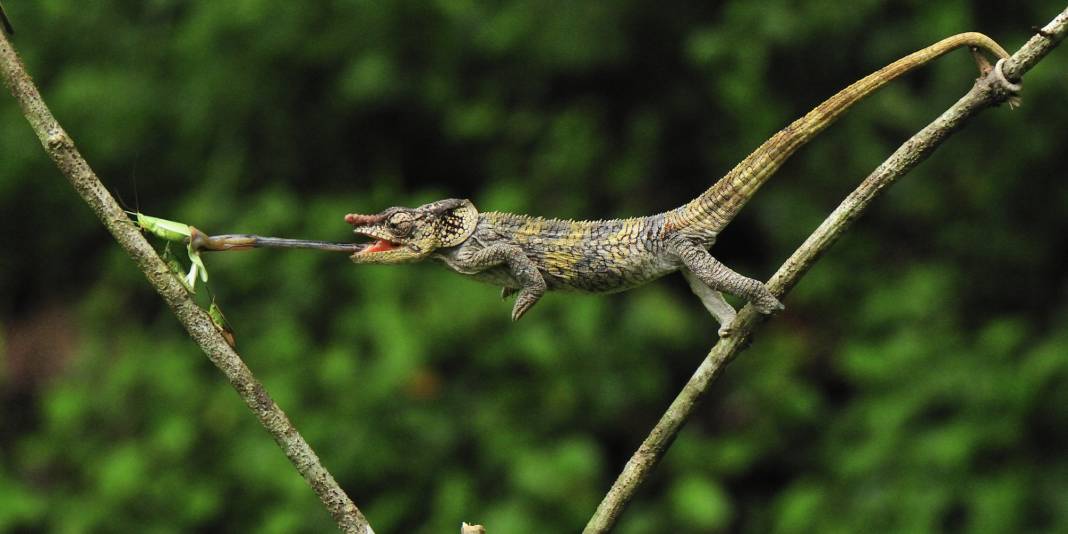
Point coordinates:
[(519, 265), (719, 277)]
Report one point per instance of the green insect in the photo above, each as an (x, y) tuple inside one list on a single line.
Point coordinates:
[(174, 231), (162, 228), (221, 324), (176, 268)]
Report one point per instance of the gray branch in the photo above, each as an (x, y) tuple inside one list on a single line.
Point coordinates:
[(61, 149), (988, 91)]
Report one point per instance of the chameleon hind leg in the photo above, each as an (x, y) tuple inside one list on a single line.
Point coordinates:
[(719, 277), (713, 301)]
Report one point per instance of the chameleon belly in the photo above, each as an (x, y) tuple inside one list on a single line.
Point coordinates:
[(589, 256)]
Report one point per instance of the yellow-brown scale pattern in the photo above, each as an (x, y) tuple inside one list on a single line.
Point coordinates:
[(597, 256)]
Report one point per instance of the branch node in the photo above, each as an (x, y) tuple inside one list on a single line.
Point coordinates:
[(1042, 32), (57, 139), (1006, 87), (980, 61)]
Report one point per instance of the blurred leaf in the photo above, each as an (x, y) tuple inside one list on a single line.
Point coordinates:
[(700, 502), (916, 381)]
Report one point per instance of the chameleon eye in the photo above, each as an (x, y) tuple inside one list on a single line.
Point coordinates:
[(401, 222)]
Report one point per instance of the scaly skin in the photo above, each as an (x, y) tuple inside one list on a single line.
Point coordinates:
[(531, 255)]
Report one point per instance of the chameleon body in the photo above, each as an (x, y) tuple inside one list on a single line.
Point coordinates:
[(528, 256)]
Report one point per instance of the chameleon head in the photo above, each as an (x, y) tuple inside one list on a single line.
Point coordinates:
[(403, 235)]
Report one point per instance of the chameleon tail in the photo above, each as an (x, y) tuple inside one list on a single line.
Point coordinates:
[(709, 213)]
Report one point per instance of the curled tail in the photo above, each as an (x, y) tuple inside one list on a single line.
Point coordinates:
[(709, 213)]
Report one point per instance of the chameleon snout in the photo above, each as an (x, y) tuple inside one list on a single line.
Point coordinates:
[(356, 219)]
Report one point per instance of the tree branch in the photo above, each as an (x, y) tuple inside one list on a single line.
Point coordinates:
[(987, 91), (61, 149)]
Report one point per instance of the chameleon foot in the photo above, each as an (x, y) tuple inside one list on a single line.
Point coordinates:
[(507, 292), (527, 297), (765, 302)]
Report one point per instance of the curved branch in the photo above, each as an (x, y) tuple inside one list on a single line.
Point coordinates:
[(987, 91), (61, 149)]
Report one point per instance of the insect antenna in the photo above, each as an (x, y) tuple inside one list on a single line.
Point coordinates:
[(5, 22)]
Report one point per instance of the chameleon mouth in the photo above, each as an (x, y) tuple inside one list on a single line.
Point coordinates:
[(380, 245), (376, 244)]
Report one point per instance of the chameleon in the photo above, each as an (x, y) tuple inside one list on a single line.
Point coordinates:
[(527, 256)]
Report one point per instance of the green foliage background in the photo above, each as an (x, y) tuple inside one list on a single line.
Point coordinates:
[(917, 382)]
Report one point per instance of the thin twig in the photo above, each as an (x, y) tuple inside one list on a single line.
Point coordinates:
[(986, 92), (5, 22), (61, 149)]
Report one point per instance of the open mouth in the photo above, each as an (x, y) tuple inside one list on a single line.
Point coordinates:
[(379, 245), (376, 244)]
